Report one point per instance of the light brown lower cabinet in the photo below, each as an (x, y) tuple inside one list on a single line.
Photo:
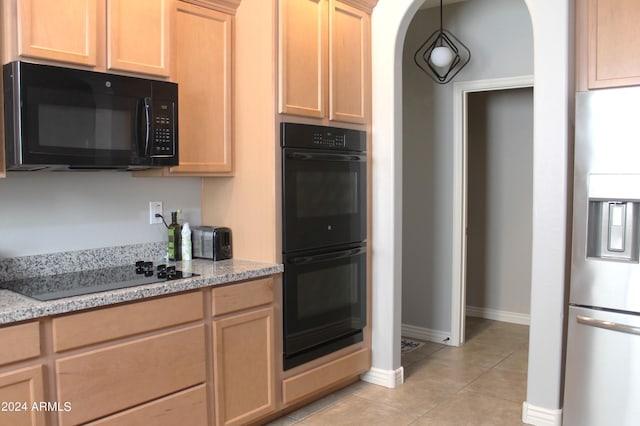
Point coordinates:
[(186, 408), (19, 391), (107, 380), (324, 376), (244, 367), (19, 342)]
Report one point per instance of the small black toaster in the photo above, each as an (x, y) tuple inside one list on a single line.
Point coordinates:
[(211, 242)]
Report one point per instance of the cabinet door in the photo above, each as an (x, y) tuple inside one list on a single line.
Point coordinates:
[(138, 36), (62, 30), (19, 390), (349, 63), (613, 43), (303, 57), (202, 69), (243, 363)]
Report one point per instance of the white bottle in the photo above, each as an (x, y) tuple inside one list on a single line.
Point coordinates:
[(186, 242)]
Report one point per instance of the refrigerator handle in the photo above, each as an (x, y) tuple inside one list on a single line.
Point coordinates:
[(608, 325)]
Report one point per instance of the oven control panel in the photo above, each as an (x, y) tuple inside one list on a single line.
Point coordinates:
[(329, 139), (295, 135)]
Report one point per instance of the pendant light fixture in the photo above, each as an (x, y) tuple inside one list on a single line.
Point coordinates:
[(442, 55)]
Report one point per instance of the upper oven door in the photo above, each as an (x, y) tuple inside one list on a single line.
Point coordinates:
[(73, 117), (324, 198)]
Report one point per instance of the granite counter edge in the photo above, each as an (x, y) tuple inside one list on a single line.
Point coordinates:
[(21, 308)]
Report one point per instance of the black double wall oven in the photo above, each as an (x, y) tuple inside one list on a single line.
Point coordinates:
[(324, 182)]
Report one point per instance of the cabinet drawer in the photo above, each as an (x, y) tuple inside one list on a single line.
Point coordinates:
[(86, 328), (186, 408), (107, 380), (19, 342), (237, 297), (23, 387), (304, 384)]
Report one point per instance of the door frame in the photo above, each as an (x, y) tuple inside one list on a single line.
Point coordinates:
[(460, 171)]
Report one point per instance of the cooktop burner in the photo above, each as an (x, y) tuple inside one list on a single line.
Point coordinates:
[(50, 287)]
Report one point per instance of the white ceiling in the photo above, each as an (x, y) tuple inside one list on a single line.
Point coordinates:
[(436, 3)]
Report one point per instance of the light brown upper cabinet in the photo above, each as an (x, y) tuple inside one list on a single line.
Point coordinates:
[(102, 35), (202, 69), (138, 36), (303, 57), (62, 31), (325, 59), (607, 43)]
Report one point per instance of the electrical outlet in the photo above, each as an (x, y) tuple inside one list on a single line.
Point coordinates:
[(155, 207)]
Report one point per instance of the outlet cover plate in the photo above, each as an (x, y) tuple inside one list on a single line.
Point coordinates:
[(155, 207)]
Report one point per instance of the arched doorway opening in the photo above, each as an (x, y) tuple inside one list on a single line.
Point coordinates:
[(552, 53)]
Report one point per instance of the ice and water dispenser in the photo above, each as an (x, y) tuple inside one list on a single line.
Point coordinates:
[(613, 217)]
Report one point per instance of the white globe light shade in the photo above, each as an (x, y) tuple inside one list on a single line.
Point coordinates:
[(441, 56)]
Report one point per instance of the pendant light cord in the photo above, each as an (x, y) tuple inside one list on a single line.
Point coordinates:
[(440, 42)]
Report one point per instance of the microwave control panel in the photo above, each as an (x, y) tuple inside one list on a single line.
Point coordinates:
[(164, 130)]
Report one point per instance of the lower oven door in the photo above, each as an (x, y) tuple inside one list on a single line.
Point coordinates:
[(324, 302)]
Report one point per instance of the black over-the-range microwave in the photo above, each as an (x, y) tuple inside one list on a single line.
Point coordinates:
[(63, 118)]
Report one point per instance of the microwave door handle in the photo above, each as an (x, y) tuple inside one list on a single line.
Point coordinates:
[(147, 119), (327, 256), (144, 127)]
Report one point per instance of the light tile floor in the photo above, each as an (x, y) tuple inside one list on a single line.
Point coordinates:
[(480, 383)]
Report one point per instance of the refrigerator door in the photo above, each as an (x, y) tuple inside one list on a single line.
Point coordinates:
[(605, 268), (602, 382)]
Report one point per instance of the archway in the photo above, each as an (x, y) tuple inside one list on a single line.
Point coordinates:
[(553, 86)]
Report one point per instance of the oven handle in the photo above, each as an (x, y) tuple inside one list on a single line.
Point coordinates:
[(304, 156), (327, 256)]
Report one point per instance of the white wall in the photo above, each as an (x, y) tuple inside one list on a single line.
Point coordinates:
[(553, 66), (64, 211), (500, 191), (498, 33)]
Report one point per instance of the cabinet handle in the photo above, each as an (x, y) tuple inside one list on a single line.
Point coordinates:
[(608, 325)]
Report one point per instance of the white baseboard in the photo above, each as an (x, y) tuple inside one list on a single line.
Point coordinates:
[(386, 378), (498, 315), (539, 416), (427, 334)]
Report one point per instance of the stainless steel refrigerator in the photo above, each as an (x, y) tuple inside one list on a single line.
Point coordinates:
[(602, 375)]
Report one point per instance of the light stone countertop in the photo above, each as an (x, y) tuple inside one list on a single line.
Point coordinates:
[(15, 307)]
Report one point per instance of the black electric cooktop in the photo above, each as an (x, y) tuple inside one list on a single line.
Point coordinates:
[(50, 287)]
